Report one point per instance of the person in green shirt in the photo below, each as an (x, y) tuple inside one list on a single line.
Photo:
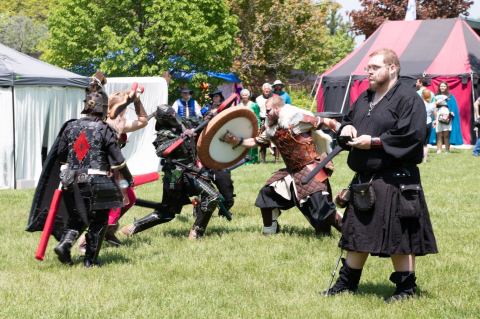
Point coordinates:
[(246, 102)]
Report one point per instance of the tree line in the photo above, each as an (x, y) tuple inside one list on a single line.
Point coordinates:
[(257, 39)]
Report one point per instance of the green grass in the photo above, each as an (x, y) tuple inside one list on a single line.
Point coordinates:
[(235, 272)]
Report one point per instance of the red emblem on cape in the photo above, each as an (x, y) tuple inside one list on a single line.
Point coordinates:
[(81, 146)]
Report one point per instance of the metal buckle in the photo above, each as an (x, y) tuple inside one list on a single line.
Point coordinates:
[(82, 178)]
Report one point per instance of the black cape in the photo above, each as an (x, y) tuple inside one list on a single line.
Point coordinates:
[(47, 184)]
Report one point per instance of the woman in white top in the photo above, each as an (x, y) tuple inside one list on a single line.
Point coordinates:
[(430, 108), (443, 118)]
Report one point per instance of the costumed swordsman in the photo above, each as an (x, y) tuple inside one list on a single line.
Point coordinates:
[(221, 178), (182, 177), (387, 215), (295, 133), (89, 152), (117, 119)]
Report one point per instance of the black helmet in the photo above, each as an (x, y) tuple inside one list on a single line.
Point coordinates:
[(96, 103)]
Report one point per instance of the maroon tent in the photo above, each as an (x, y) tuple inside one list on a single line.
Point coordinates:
[(443, 50)]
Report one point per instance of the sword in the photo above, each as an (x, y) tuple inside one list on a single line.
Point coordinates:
[(322, 164), (48, 227), (200, 127), (243, 161)]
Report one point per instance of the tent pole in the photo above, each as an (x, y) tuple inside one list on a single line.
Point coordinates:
[(346, 93), (316, 91), (14, 144), (473, 100)]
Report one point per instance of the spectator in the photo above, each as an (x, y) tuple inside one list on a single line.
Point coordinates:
[(447, 121), (186, 106), (261, 100), (430, 108), (420, 85), (216, 98), (278, 89), (245, 102), (476, 108)]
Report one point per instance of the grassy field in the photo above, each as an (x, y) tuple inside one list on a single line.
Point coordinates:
[(235, 272)]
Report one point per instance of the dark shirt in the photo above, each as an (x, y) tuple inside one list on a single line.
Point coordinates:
[(398, 119), (97, 148)]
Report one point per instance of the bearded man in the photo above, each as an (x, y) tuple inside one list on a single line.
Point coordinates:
[(387, 127), (294, 132)]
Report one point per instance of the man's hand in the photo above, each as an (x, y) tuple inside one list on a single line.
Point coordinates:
[(188, 133), (230, 138), (349, 130), (363, 142), (331, 124)]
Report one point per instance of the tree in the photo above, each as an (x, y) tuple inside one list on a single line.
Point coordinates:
[(279, 36), (23, 24), (36, 10), (374, 12), (141, 37), (22, 33)]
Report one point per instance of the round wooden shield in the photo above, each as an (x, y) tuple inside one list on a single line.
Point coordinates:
[(216, 154)]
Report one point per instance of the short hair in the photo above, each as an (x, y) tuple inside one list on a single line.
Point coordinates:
[(423, 80), (277, 100), (426, 94), (245, 91), (266, 85), (389, 57)]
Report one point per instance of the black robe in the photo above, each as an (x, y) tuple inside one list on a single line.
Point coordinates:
[(399, 222)]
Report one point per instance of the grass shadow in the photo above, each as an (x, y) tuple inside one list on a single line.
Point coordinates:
[(385, 290), (110, 257), (304, 232), (382, 290), (134, 241)]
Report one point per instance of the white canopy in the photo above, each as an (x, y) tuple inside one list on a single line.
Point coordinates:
[(139, 151)]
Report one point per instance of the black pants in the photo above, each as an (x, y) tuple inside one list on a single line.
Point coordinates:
[(224, 183), (74, 220), (316, 209)]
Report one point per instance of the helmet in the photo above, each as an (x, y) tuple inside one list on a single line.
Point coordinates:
[(96, 103)]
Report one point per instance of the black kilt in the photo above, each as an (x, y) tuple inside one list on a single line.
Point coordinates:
[(385, 230)]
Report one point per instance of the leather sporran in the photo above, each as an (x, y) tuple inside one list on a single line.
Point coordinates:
[(363, 196)]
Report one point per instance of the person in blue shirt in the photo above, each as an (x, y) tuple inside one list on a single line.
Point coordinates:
[(216, 98), (278, 89)]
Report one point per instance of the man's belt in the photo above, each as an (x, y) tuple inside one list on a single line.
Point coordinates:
[(71, 178)]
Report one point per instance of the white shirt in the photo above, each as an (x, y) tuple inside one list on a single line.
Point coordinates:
[(197, 108)]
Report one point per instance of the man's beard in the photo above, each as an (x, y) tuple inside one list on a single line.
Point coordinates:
[(379, 82), (272, 117)]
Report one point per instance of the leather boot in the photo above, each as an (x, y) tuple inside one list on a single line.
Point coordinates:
[(153, 219), (64, 247), (110, 235), (348, 279), (94, 238), (406, 285)]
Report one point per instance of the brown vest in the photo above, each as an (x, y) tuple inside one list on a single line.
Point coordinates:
[(296, 150)]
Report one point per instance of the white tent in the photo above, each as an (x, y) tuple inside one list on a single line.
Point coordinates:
[(139, 151), (36, 98)]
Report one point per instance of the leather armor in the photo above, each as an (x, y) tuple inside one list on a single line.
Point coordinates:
[(296, 150)]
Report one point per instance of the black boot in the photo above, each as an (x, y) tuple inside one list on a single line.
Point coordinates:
[(348, 279), (147, 222), (94, 238), (406, 285), (65, 245)]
